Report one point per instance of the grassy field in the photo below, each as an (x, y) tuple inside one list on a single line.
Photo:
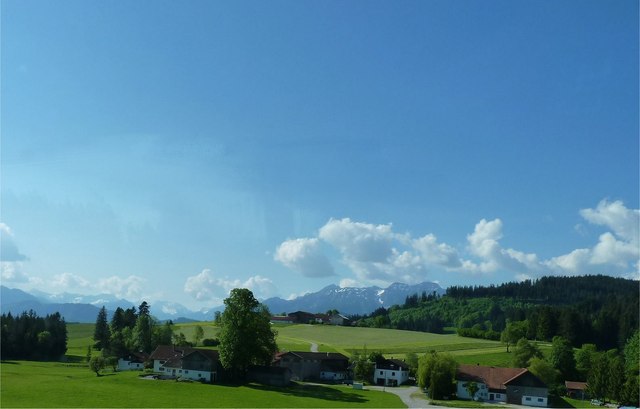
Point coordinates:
[(71, 384), (48, 385)]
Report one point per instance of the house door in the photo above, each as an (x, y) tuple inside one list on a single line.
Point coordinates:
[(491, 396)]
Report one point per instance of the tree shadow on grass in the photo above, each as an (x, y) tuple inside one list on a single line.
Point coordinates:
[(9, 363), (312, 391)]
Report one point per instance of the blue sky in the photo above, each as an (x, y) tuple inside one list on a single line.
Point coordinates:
[(173, 150)]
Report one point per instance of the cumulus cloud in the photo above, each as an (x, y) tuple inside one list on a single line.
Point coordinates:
[(8, 249), (437, 253), (12, 272), (69, 280), (361, 242), (617, 251), (375, 254), (206, 286), (305, 257), (624, 222), (130, 287)]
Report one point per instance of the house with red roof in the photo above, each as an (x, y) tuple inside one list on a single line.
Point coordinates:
[(510, 385)]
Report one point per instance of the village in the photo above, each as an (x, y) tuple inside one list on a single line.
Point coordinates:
[(473, 382)]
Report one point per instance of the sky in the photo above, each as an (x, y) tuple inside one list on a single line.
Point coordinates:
[(174, 150)]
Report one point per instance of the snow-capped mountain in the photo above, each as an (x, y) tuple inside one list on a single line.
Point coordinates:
[(351, 300), (84, 308)]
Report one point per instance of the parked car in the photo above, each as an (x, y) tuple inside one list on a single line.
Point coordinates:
[(597, 402)]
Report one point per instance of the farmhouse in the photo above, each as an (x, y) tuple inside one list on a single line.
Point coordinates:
[(511, 385), (339, 319), (391, 372), (326, 366), (183, 362), (576, 390), (132, 362)]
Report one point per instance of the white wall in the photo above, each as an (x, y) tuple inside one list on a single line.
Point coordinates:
[(534, 401), (389, 374), (124, 365)]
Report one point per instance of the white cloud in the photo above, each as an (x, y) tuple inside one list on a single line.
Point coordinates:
[(69, 281), (13, 272), (374, 254), (130, 287), (349, 282), (437, 253), (361, 242), (305, 257), (624, 222), (206, 286), (8, 249)]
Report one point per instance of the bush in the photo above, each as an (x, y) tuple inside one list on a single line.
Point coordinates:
[(211, 342)]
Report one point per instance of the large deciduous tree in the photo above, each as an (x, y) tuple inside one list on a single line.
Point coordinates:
[(246, 337), (513, 332), (437, 374), (524, 352)]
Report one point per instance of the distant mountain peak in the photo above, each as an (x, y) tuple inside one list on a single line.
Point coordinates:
[(351, 300)]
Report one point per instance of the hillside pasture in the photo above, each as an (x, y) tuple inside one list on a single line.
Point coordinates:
[(51, 384)]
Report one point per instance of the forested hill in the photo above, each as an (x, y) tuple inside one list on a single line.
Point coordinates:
[(586, 309), (554, 290)]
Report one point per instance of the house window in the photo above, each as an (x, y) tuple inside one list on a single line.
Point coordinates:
[(162, 369), (393, 374), (540, 400), (497, 396), (186, 371), (527, 399), (380, 372), (162, 362)]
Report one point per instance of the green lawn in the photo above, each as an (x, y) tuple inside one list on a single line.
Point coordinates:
[(48, 384), (71, 384)]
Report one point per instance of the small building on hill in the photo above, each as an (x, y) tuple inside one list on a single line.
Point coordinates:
[(391, 372), (184, 362), (318, 366), (510, 385), (339, 319)]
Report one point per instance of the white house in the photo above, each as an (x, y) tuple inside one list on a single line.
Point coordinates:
[(183, 362), (132, 362), (391, 372)]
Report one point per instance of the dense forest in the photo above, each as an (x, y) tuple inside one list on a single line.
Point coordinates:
[(28, 336), (600, 310)]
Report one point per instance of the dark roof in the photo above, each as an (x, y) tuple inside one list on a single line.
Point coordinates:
[(322, 356), (391, 364), (170, 352), (494, 377), (580, 386)]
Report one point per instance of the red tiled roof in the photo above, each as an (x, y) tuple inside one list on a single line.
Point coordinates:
[(494, 377), (581, 386)]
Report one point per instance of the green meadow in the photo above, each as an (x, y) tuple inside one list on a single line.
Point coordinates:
[(72, 384), (52, 384)]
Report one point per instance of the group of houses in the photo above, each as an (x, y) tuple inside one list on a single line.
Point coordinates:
[(493, 384), (303, 317)]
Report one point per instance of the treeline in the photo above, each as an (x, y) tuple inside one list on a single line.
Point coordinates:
[(27, 336), (599, 310), (553, 290), (134, 330)]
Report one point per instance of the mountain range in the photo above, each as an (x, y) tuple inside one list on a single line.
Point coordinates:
[(84, 308)]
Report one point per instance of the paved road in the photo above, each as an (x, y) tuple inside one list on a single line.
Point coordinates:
[(405, 395)]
